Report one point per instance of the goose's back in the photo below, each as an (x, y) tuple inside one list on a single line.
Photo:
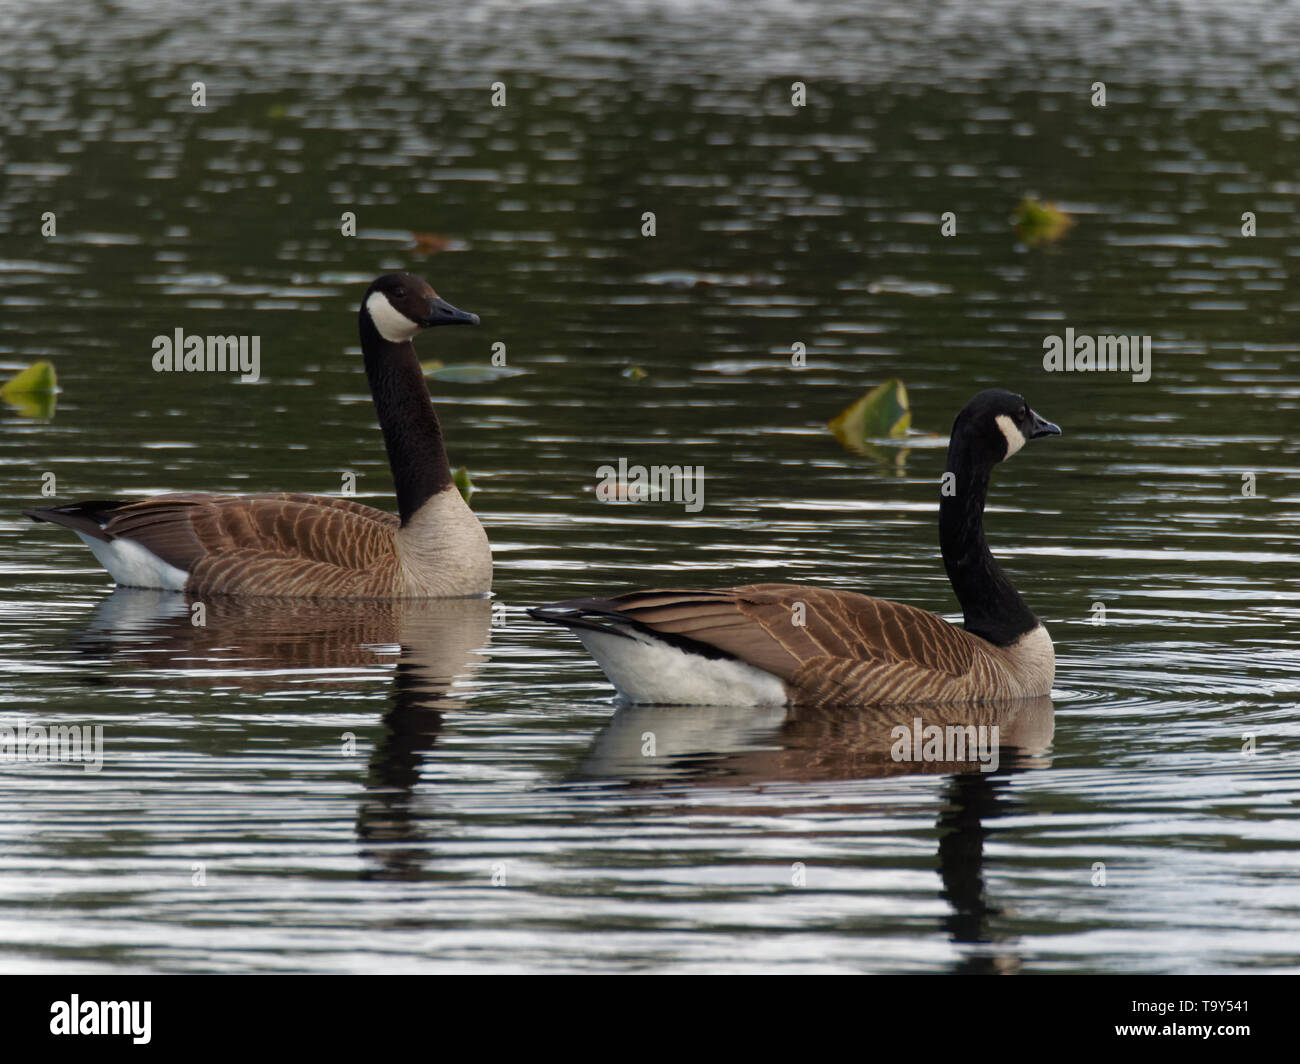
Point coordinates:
[(274, 544), (833, 647)]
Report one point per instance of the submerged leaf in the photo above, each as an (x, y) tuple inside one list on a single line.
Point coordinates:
[(37, 405), (430, 243), (463, 484), (883, 412), (1040, 223)]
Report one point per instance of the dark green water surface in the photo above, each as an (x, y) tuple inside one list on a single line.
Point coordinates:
[(451, 787)]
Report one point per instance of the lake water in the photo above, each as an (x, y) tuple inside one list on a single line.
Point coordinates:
[(438, 787)]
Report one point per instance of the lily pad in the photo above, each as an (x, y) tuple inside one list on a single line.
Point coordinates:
[(880, 414), (32, 392), (473, 374), (463, 484), (1040, 223), (37, 378)]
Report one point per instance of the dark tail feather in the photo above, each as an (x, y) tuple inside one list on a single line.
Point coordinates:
[(577, 614), (87, 517), (603, 615)]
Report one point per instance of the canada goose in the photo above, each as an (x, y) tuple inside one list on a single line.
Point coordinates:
[(766, 644), (316, 545)]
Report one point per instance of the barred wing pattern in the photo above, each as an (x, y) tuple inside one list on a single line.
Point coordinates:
[(273, 544), (828, 647)]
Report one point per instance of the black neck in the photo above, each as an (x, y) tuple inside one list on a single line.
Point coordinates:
[(412, 434), (992, 607)]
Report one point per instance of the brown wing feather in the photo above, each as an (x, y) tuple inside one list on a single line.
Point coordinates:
[(265, 544), (848, 647), (763, 625)]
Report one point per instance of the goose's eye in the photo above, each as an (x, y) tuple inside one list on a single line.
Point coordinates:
[(1024, 413), (399, 292)]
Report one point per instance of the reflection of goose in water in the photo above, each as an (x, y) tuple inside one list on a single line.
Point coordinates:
[(969, 801), (746, 747), (254, 642), (258, 645), (742, 744)]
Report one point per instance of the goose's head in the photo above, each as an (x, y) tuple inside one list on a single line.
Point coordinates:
[(399, 305), (997, 423)]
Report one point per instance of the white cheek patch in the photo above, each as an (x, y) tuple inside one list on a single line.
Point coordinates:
[(1015, 438), (393, 325)]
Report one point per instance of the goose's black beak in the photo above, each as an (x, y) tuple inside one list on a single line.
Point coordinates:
[(443, 313), (1039, 427)]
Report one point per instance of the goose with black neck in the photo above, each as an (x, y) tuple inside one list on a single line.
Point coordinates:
[(766, 644), (299, 545)]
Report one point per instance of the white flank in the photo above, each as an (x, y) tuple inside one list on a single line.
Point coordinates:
[(393, 325), (1015, 438), (647, 672), (130, 565)]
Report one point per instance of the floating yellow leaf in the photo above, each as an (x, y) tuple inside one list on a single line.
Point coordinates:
[(38, 377), (32, 392), (883, 412), (1040, 223)]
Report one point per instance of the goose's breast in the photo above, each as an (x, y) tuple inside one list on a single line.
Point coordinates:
[(1030, 662), (442, 551)]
